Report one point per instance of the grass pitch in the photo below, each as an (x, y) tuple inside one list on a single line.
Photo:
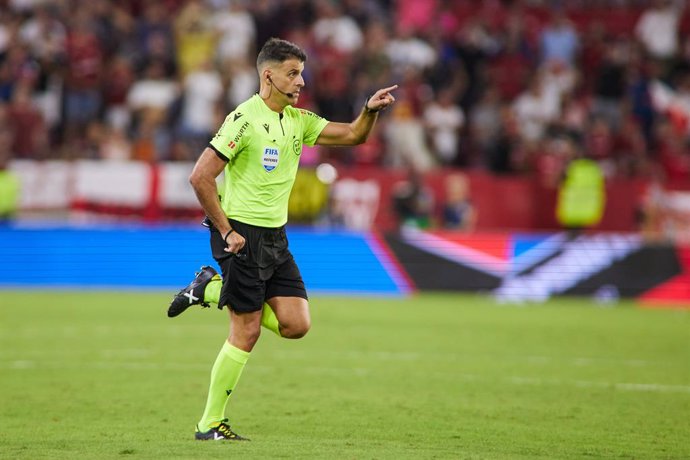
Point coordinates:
[(107, 375)]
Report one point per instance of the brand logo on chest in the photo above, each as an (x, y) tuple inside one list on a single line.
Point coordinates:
[(270, 158)]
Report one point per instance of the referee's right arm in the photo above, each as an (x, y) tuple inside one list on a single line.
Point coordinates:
[(203, 181)]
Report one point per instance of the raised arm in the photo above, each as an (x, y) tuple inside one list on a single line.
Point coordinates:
[(358, 131)]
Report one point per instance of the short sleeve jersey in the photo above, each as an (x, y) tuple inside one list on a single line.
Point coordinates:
[(262, 148)]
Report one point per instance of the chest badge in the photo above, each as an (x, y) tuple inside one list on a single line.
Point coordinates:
[(270, 158)]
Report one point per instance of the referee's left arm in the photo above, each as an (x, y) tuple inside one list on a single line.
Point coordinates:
[(358, 131)]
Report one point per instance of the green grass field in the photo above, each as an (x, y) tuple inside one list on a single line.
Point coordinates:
[(107, 375)]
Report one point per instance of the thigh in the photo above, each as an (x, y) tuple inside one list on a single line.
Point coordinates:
[(287, 297), (290, 311)]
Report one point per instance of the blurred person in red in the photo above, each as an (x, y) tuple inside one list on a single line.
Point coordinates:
[(673, 153), (121, 77), (510, 68), (31, 137), (85, 66)]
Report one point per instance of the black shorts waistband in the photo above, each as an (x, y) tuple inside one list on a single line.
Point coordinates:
[(278, 230)]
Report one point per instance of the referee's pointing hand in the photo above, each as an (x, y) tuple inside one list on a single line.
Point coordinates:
[(381, 99)]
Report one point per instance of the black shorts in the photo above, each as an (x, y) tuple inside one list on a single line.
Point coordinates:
[(262, 269)]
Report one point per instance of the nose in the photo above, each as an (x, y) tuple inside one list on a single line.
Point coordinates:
[(300, 81)]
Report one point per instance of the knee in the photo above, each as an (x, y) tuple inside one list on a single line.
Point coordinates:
[(252, 338), (245, 339), (296, 330)]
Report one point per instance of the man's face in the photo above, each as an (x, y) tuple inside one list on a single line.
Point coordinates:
[(287, 78)]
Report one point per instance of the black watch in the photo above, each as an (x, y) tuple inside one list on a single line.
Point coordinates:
[(366, 106)]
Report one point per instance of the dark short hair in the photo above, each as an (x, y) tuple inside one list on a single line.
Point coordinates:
[(278, 50)]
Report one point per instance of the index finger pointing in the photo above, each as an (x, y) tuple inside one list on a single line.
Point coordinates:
[(389, 89)]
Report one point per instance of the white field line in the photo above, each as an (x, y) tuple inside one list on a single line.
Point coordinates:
[(622, 386), (19, 365)]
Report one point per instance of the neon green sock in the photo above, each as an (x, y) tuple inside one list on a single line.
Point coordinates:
[(212, 295), (269, 320), (212, 291), (225, 374)]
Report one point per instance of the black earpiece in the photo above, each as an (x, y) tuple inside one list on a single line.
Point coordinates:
[(290, 95)]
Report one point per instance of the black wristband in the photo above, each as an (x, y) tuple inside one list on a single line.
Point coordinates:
[(366, 106), (225, 238)]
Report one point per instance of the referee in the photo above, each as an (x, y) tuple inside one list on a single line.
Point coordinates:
[(258, 147)]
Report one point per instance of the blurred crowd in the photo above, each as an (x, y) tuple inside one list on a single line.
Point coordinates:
[(513, 87)]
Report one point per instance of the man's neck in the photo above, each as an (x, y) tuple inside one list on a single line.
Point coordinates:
[(266, 95)]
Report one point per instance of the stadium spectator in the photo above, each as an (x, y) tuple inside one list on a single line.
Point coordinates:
[(121, 77), (657, 29), (374, 64), (407, 52), (673, 152), (581, 194), (9, 183), (406, 140), (458, 212), (413, 201), (444, 120), (268, 20), (81, 65), (201, 104), (559, 40), (610, 81), (154, 38), (25, 120), (485, 120), (84, 73), (236, 29), (150, 100), (416, 14), (45, 35), (334, 28), (509, 69), (536, 109), (115, 144), (195, 38), (240, 81)]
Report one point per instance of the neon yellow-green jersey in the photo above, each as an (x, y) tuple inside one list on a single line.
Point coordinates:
[(262, 148)]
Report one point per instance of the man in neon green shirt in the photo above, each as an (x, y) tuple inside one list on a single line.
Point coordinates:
[(258, 147)]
